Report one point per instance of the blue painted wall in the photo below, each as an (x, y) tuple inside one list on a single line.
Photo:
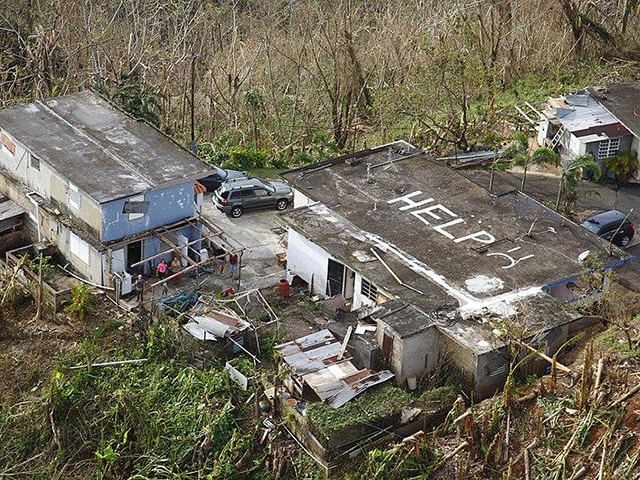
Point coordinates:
[(166, 205)]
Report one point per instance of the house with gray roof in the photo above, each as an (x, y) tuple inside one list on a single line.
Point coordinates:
[(442, 266), (113, 193)]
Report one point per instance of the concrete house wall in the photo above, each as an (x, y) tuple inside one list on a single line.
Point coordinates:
[(166, 206), (50, 185), (308, 261), (414, 355)]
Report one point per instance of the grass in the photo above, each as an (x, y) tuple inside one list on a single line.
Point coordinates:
[(266, 173), (161, 418), (367, 409)]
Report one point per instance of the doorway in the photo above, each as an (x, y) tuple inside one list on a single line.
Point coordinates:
[(335, 278), (134, 255)]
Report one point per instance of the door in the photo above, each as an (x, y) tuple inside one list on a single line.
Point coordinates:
[(264, 198), (248, 198), (349, 284), (134, 255), (117, 261), (335, 278), (387, 347)]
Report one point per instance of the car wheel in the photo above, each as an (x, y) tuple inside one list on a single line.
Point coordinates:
[(236, 212), (625, 240), (282, 204)]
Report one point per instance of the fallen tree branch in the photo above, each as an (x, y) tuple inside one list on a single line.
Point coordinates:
[(109, 364)]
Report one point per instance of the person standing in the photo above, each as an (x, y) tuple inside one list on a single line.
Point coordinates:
[(233, 263), (139, 286), (219, 255), (162, 268), (176, 267)]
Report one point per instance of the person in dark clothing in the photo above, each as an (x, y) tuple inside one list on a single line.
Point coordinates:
[(233, 263)]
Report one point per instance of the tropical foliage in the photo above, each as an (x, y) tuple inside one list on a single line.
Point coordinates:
[(623, 166), (520, 153), (571, 173), (82, 301)]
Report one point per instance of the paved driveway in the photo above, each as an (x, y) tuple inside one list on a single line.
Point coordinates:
[(593, 197), (262, 235)]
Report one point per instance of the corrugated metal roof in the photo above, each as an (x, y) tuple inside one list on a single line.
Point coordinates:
[(314, 359), (8, 209), (583, 114), (212, 324)]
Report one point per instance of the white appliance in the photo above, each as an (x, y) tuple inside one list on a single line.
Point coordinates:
[(127, 283)]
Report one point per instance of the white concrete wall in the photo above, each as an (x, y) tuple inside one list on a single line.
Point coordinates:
[(300, 199), (92, 270), (419, 354), (635, 147), (542, 128), (308, 261), (360, 300)]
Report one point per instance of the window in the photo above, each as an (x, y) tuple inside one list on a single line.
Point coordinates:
[(368, 290), (75, 200), (79, 248), (136, 216), (608, 148), (261, 193), (247, 193), (35, 162), (7, 145)]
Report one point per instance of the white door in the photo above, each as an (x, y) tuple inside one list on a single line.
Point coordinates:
[(184, 249), (118, 264)]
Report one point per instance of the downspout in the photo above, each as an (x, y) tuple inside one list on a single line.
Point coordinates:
[(37, 214)]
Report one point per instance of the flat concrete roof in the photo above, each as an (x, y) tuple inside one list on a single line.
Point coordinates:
[(464, 249), (97, 147), (623, 101)]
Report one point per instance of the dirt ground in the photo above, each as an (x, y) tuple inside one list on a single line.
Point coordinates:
[(29, 348)]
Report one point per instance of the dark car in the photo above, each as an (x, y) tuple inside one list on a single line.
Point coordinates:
[(236, 196), (611, 223), (214, 181)]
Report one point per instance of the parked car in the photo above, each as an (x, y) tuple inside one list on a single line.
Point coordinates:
[(215, 180), (608, 224), (236, 196)]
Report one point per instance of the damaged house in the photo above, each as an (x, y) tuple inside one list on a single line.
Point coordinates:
[(599, 121), (114, 194), (443, 267)]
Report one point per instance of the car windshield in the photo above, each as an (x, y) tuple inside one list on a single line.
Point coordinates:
[(221, 173), (592, 226), (269, 187)]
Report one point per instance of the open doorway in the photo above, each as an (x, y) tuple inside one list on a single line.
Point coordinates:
[(335, 278), (134, 255)]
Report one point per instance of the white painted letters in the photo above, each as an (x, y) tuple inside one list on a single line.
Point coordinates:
[(410, 203), (482, 236)]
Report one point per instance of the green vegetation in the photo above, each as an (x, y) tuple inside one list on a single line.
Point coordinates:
[(520, 153), (571, 174), (45, 263), (161, 418), (82, 301), (623, 166), (366, 409)]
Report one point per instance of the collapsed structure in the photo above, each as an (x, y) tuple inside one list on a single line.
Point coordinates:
[(114, 194), (442, 266), (599, 121)]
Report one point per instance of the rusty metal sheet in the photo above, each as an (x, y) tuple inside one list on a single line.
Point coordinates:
[(351, 391)]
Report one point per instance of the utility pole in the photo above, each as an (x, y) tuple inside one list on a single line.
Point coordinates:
[(192, 145)]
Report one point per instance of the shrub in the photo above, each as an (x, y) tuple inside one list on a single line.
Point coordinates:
[(82, 300), (246, 158), (623, 166), (48, 268)]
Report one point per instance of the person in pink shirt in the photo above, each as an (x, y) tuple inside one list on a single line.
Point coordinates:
[(161, 269)]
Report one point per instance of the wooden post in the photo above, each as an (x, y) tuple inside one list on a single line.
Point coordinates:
[(39, 311)]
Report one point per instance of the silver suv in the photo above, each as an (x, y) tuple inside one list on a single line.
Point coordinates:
[(236, 196)]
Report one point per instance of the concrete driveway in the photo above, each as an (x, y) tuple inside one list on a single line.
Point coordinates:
[(593, 197), (262, 235)]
